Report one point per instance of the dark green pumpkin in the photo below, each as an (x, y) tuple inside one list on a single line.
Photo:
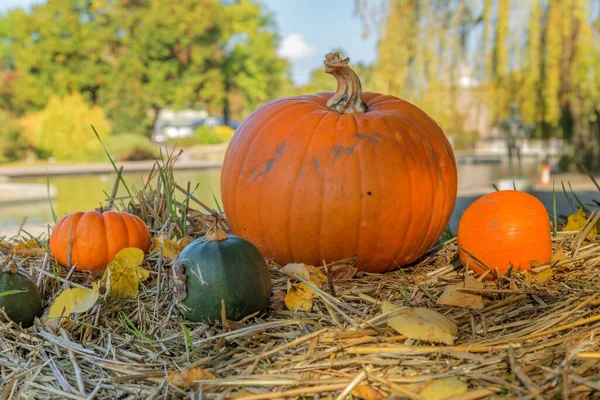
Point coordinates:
[(219, 267), (20, 307)]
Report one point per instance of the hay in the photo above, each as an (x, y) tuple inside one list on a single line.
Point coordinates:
[(528, 341)]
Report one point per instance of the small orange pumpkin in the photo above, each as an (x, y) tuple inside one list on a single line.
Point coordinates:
[(337, 175), (503, 228), (97, 237)]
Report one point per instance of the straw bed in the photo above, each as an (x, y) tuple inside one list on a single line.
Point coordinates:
[(528, 341)]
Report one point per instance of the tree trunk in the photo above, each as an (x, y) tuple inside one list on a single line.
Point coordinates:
[(586, 137)]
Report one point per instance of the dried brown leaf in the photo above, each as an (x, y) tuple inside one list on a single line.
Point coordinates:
[(343, 272), (365, 391), (187, 378), (452, 297), (422, 324)]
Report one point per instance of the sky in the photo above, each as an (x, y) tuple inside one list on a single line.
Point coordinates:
[(309, 29)]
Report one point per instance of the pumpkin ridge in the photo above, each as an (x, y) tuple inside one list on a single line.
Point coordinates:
[(361, 180), (314, 133), (254, 141), (404, 239), (243, 152), (325, 197), (74, 223), (408, 188), (424, 141)]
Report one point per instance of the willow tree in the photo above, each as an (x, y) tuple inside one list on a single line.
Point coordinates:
[(543, 55)]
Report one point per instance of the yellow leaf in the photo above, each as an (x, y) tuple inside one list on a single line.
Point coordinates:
[(124, 273), (299, 297), (306, 272), (187, 378), (365, 391), (577, 221), (170, 248), (541, 278), (422, 324), (453, 297), (30, 248), (558, 256), (76, 300), (439, 389)]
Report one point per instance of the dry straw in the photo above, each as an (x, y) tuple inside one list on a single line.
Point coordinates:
[(528, 341)]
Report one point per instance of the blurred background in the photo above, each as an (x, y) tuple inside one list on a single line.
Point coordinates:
[(150, 74)]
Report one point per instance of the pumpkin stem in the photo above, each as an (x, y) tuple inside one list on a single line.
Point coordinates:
[(215, 232), (348, 96)]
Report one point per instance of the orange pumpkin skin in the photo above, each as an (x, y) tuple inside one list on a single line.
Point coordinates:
[(504, 227), (97, 237), (306, 184)]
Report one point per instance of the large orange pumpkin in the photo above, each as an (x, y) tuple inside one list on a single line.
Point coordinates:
[(97, 237), (503, 228), (330, 176)]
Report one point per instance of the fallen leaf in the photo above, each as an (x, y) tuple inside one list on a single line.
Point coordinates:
[(170, 248), (577, 222), (124, 274), (540, 278), (31, 248), (299, 297), (558, 256), (187, 378), (422, 324), (537, 263), (439, 389), (365, 391), (75, 300), (343, 272), (453, 297), (306, 272), (277, 301)]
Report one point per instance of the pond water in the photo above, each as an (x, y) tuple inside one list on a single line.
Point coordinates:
[(86, 192)]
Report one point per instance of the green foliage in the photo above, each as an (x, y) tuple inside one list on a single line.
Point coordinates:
[(65, 133), (13, 144), (128, 147), (217, 135), (542, 54), (189, 53)]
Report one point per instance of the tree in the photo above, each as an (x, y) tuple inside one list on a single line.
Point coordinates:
[(252, 69), (542, 54), (135, 57), (65, 132), (58, 48)]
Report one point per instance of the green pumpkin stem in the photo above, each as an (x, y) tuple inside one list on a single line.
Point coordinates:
[(348, 96), (215, 232)]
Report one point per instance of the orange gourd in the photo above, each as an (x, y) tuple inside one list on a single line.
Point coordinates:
[(337, 175), (97, 237), (503, 228)]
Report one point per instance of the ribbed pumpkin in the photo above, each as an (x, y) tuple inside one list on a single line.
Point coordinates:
[(25, 302), (219, 267), (97, 237), (337, 175), (503, 228)]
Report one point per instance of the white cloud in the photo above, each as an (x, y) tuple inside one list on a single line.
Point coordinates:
[(294, 48)]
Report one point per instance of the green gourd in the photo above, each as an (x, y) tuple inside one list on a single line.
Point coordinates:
[(219, 267), (19, 296)]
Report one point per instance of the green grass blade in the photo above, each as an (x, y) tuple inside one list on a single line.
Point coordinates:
[(113, 163), (554, 210), (12, 292), (587, 211), (569, 200), (133, 329), (216, 201), (49, 199)]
